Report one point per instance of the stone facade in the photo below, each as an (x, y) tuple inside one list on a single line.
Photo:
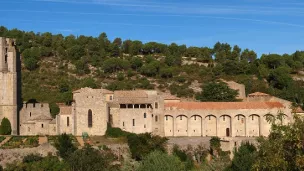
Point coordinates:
[(8, 82)]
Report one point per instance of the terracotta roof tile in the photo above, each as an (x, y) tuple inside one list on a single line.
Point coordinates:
[(258, 94), (171, 97), (224, 105), (65, 110)]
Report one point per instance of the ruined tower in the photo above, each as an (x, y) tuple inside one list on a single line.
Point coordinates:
[(8, 82)]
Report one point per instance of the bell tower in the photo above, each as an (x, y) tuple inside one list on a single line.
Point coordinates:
[(8, 82)]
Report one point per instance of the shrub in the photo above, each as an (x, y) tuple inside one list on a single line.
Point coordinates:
[(142, 144), (32, 158), (115, 132), (65, 146), (160, 161), (5, 128)]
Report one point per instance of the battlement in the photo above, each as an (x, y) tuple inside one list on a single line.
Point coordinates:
[(35, 105)]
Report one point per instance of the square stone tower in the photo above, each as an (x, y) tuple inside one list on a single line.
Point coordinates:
[(8, 82)]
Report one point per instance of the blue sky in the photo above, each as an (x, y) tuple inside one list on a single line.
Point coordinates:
[(266, 26)]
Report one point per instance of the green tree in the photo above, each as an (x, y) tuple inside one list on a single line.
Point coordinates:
[(217, 92), (142, 144), (280, 78), (283, 149), (160, 161), (244, 157), (5, 128), (89, 158), (64, 146)]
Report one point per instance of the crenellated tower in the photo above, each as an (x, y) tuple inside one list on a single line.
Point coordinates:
[(8, 82)]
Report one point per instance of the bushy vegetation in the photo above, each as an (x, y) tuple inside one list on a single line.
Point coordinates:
[(55, 65), (5, 127), (115, 132), (161, 161), (65, 146), (142, 144)]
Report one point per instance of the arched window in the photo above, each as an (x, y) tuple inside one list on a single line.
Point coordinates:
[(145, 115), (90, 119)]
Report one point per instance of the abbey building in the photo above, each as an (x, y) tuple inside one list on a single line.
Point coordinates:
[(137, 111)]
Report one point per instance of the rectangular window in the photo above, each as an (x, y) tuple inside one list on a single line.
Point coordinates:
[(166, 118), (41, 125), (145, 126), (156, 118), (111, 97), (181, 118), (68, 121), (133, 122), (209, 118), (238, 117), (123, 123), (223, 118), (195, 118), (156, 105), (252, 117)]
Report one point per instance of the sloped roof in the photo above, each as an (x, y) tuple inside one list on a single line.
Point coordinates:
[(258, 94), (224, 105), (53, 121), (65, 110), (171, 97), (298, 110)]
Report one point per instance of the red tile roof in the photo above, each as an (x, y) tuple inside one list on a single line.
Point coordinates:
[(224, 105)]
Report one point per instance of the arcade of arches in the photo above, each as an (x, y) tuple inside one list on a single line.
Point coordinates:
[(238, 125)]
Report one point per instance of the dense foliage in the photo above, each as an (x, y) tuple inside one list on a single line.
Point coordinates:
[(5, 127), (65, 146), (55, 65), (161, 161), (142, 144)]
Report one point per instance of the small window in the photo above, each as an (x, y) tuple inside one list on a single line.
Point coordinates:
[(252, 117), (209, 118), (166, 118), (239, 117), (90, 119), (41, 105), (181, 117), (133, 122), (156, 118), (41, 125), (156, 105), (152, 115), (29, 129), (123, 123), (145, 126), (30, 114), (111, 97), (68, 121), (195, 118), (223, 118), (5, 58), (145, 115)]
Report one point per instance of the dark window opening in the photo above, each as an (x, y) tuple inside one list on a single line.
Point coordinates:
[(252, 117), (223, 118), (68, 121), (143, 106), (136, 106), (130, 106), (156, 118), (145, 115), (123, 106), (209, 118), (239, 117), (111, 97), (195, 118), (145, 126), (41, 105), (5, 58), (90, 119), (156, 105), (181, 117), (166, 118), (149, 106), (41, 125), (123, 123), (30, 114), (133, 122)]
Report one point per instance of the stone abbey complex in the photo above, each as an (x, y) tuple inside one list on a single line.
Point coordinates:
[(136, 111)]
